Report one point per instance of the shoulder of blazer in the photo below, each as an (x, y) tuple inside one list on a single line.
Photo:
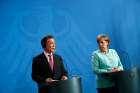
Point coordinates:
[(57, 56), (58, 59), (39, 57)]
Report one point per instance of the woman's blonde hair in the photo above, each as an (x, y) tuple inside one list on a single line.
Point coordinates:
[(103, 36)]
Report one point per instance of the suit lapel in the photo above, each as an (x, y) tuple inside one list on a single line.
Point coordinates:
[(46, 62)]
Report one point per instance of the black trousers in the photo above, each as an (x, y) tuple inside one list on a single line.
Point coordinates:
[(107, 90)]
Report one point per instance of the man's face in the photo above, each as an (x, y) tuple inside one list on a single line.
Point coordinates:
[(50, 45)]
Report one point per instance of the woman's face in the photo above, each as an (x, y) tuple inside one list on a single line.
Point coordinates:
[(103, 44)]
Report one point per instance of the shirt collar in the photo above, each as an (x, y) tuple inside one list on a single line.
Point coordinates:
[(46, 53)]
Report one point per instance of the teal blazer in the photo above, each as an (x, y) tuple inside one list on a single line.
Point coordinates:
[(103, 62)]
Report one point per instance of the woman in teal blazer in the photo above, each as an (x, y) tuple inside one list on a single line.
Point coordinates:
[(105, 60)]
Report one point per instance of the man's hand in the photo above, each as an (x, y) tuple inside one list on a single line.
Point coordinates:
[(64, 78), (49, 80)]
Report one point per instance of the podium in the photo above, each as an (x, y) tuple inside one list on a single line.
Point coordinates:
[(127, 81), (72, 85)]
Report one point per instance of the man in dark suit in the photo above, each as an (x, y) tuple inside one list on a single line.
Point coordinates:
[(47, 66)]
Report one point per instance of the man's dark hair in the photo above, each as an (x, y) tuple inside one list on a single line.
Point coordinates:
[(44, 39)]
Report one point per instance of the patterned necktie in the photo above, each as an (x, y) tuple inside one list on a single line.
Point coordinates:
[(51, 61)]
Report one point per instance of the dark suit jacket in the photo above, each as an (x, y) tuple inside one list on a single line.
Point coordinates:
[(42, 70)]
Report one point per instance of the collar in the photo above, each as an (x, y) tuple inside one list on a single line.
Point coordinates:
[(104, 52), (46, 53)]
